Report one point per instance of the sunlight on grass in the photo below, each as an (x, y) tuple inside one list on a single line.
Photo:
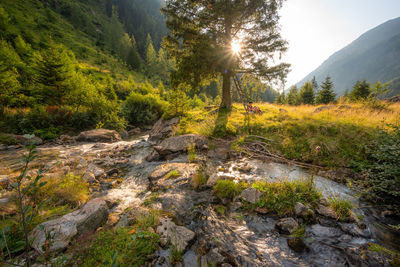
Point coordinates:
[(295, 131)]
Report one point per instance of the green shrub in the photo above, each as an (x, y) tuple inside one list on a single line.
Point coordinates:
[(7, 140), (341, 207), (147, 219), (228, 189), (142, 109), (281, 197), (382, 168), (121, 247)]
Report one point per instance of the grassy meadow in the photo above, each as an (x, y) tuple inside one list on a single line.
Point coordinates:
[(341, 131)]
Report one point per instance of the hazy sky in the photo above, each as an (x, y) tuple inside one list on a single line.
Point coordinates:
[(316, 29)]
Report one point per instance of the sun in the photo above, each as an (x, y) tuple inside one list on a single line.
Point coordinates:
[(236, 46)]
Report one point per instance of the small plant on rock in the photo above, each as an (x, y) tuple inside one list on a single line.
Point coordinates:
[(172, 175), (341, 207), (228, 189), (192, 157), (198, 179), (176, 255)]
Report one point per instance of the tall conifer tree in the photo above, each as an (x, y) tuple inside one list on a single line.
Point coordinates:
[(202, 34)]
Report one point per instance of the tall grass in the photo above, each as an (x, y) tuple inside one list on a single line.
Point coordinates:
[(341, 131)]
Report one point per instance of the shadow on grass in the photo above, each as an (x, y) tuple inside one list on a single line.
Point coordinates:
[(221, 128)]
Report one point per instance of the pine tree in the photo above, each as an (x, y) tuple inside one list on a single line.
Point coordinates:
[(162, 61), (202, 33), (177, 101), (315, 85), (293, 96), (151, 56), (133, 59), (307, 95), (326, 95), (53, 70), (361, 90)]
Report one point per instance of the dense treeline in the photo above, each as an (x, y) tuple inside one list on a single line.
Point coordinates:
[(313, 94)]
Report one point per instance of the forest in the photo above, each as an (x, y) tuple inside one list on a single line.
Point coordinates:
[(162, 133)]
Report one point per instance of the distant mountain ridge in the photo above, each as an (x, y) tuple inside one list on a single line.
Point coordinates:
[(375, 56)]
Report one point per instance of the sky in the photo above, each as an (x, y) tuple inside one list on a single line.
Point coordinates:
[(315, 29)]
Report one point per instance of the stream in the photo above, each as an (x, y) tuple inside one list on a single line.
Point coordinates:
[(249, 239)]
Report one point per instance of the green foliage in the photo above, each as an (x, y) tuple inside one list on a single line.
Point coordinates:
[(228, 189), (177, 102), (198, 179), (199, 57), (7, 140), (293, 96), (307, 94), (341, 207), (68, 190), (192, 157), (382, 168), (142, 109), (281, 197), (176, 256), (146, 219), (327, 94), (361, 91), (120, 247), (172, 175)]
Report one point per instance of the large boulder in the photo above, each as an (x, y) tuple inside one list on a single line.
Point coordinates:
[(162, 129), (178, 236), (99, 135), (24, 139), (62, 230), (180, 144)]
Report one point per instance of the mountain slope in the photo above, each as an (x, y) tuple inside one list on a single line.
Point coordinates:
[(374, 56)]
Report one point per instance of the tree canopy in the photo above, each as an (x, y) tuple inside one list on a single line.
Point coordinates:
[(202, 33)]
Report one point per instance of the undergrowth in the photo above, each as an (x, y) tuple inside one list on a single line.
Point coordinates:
[(281, 197), (228, 189)]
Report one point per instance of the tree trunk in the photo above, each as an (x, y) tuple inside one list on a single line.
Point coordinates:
[(226, 91)]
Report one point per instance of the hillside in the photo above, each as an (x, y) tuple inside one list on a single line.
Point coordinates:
[(373, 56)]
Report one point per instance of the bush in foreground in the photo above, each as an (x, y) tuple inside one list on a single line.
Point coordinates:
[(228, 189), (120, 247), (281, 197)]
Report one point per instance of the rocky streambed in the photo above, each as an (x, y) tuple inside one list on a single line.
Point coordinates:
[(127, 175)]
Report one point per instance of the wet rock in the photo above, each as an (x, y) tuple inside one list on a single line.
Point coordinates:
[(99, 135), (326, 212), (262, 210), (62, 230), (162, 129), (124, 134), (112, 172), (65, 139), (362, 257), (89, 177), (354, 230), (190, 258), (251, 195), (178, 236), (303, 211), (3, 147), (287, 225), (185, 170), (214, 258), (134, 131), (297, 244), (154, 156), (324, 232), (97, 171), (180, 144)]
